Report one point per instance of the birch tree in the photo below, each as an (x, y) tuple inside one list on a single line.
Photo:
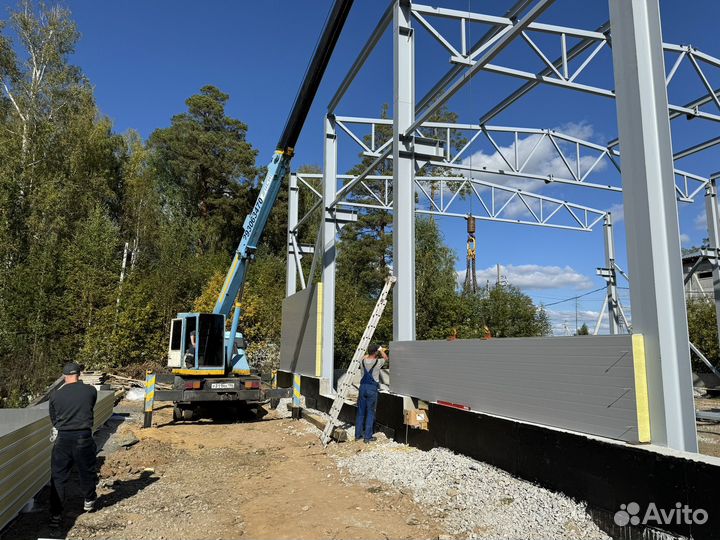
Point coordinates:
[(36, 81)]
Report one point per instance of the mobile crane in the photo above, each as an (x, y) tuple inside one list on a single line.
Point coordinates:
[(219, 371)]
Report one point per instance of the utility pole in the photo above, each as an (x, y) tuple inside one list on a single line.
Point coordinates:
[(576, 315)]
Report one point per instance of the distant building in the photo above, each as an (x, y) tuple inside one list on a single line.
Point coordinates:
[(701, 284)]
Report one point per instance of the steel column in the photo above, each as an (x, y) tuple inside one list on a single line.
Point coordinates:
[(653, 237), (403, 174), (292, 219), (329, 253), (612, 295), (713, 228)]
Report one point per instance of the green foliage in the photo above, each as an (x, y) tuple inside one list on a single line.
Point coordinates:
[(703, 332), (505, 310), (583, 330), (261, 317), (437, 300), (692, 249), (106, 238), (201, 159), (442, 310), (510, 313)]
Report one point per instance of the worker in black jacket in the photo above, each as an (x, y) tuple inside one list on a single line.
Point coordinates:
[(71, 414)]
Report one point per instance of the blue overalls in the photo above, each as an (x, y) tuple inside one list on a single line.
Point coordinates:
[(367, 402)]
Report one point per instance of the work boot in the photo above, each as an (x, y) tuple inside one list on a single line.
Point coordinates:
[(371, 439)]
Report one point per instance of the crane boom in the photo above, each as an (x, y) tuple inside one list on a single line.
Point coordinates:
[(208, 362), (253, 228), (279, 166)]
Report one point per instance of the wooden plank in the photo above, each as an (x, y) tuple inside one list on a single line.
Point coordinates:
[(339, 434)]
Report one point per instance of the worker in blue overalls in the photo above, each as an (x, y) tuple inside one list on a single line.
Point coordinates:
[(368, 395)]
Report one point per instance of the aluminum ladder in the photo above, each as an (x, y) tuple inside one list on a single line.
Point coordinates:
[(355, 362)]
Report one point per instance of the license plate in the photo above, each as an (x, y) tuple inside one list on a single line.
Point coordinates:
[(221, 385)]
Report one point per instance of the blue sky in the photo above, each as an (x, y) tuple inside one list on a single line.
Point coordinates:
[(146, 58)]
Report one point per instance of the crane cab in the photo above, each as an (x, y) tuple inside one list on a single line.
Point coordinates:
[(207, 355)]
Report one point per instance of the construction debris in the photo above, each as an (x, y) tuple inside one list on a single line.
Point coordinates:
[(127, 383), (94, 378)]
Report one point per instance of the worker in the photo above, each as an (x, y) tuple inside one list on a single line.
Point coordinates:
[(190, 353), (72, 413), (486, 332), (368, 394)]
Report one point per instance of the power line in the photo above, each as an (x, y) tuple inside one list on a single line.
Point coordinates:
[(574, 297)]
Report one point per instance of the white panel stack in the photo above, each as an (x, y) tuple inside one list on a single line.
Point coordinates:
[(25, 452)]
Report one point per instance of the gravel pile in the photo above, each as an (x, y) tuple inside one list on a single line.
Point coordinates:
[(474, 499)]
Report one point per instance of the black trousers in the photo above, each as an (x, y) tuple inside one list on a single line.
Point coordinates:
[(72, 448)]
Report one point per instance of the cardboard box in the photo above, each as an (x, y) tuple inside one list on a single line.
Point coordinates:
[(417, 418)]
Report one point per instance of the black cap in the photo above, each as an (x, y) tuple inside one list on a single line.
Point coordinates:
[(72, 368)]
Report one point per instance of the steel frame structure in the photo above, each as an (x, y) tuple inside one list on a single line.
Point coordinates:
[(651, 183)]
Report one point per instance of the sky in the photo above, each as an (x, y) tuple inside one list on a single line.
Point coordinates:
[(145, 58)]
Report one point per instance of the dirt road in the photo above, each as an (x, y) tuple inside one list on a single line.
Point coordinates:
[(263, 479)]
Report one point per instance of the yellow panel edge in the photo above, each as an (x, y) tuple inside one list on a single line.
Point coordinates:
[(641, 388), (318, 331), (198, 372)]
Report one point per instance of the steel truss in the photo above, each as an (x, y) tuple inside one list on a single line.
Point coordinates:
[(499, 203), (688, 184), (648, 171), (561, 71)]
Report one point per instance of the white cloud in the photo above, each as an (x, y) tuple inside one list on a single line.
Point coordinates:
[(684, 239), (618, 212), (563, 322), (545, 160), (562, 316), (700, 220), (534, 276)]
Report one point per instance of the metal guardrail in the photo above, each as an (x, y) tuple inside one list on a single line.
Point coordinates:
[(25, 450)]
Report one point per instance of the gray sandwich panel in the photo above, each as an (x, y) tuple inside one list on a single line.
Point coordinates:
[(584, 384), (298, 341)]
